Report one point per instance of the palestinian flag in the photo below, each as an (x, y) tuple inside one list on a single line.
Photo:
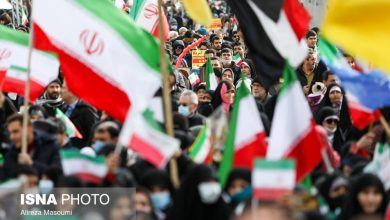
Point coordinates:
[(145, 15), (293, 133), (14, 49), (87, 168), (273, 32), (273, 179), (71, 129), (200, 151), (144, 135), (211, 79), (99, 46), (237, 59), (246, 135), (362, 108)]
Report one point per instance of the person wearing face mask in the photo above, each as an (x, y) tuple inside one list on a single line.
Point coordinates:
[(188, 105), (335, 98), (367, 196), (161, 189), (334, 192), (199, 197), (328, 119), (106, 132), (238, 189)]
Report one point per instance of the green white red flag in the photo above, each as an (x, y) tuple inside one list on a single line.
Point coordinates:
[(246, 135), (14, 50), (293, 133), (106, 59), (87, 168), (271, 179), (145, 15), (71, 129)]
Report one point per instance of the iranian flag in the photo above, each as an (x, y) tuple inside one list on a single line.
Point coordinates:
[(148, 140), (237, 59), (71, 129), (14, 49), (87, 168), (246, 135), (211, 79), (293, 133), (200, 151), (273, 179), (106, 59), (145, 15)]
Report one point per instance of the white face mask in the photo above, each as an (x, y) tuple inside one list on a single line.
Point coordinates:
[(209, 192), (45, 186), (184, 110), (331, 131)]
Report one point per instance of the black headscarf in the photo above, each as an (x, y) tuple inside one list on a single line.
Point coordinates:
[(187, 203), (155, 177), (352, 206), (345, 119), (238, 173), (339, 139), (326, 187)]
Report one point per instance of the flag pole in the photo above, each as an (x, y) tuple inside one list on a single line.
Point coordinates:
[(166, 93), (27, 90)]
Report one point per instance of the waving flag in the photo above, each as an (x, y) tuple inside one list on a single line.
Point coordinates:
[(145, 15), (246, 135), (273, 31), (360, 27), (198, 10), (71, 129), (87, 168), (293, 133), (148, 139), (106, 59), (366, 92), (14, 48), (211, 79)]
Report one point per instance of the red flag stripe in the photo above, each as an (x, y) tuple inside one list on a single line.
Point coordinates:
[(85, 83), (298, 17)]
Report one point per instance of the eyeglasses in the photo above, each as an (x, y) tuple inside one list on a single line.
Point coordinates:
[(184, 104), (331, 120)]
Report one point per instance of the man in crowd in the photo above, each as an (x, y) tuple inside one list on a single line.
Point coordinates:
[(51, 98), (188, 105), (81, 114), (42, 150)]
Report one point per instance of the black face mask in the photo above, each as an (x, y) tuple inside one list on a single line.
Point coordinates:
[(337, 202)]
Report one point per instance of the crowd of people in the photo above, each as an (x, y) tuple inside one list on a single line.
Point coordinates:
[(345, 192)]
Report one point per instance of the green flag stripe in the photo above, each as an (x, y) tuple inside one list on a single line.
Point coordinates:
[(136, 8), (18, 68), (197, 146), (13, 36), (69, 131), (328, 51), (75, 154), (209, 70), (148, 49), (228, 153), (275, 164)]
